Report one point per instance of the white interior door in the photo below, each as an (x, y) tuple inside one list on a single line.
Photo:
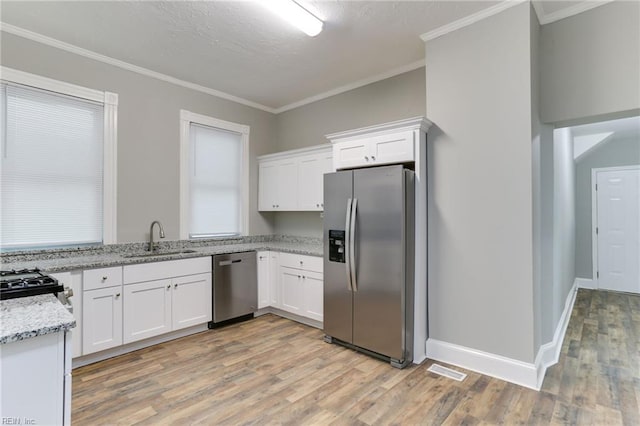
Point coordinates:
[(618, 229)]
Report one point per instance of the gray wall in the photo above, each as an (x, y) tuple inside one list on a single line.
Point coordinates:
[(148, 133), (615, 152), (480, 182), (564, 226), (395, 98), (542, 176), (591, 63)]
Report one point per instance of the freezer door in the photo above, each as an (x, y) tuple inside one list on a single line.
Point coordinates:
[(379, 287), (338, 299)]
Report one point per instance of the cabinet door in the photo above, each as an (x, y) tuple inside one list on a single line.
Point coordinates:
[(274, 284), (267, 185), (291, 286), (264, 285), (392, 148), (101, 319), (313, 295), (310, 176), (351, 154), (326, 166), (191, 300), (147, 310), (287, 185)]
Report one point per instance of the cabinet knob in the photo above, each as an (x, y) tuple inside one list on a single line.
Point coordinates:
[(299, 276), (104, 278), (169, 287), (366, 158), (373, 158), (117, 294), (303, 277), (175, 286)]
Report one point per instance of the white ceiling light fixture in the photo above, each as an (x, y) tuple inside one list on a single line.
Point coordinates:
[(296, 15)]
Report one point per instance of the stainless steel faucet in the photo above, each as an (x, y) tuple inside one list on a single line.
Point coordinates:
[(151, 246)]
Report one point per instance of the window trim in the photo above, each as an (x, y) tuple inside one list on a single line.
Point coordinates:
[(110, 136), (186, 118)]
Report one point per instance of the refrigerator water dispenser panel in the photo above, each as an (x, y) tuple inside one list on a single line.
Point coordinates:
[(336, 246)]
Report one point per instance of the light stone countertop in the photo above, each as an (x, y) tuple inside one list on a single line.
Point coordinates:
[(69, 260), (25, 317)]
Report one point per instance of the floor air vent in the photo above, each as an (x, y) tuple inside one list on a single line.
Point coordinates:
[(447, 372)]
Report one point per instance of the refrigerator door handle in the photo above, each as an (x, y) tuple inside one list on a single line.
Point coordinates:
[(352, 244), (347, 262)]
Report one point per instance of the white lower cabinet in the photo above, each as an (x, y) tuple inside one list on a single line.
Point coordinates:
[(147, 310), (158, 306), (294, 283), (312, 283), (122, 305), (264, 284), (292, 291), (191, 300), (102, 320), (101, 309), (35, 381)]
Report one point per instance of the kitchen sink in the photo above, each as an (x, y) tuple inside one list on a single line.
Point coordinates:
[(159, 253)]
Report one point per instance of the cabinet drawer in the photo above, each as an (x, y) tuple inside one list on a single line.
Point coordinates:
[(93, 279), (298, 261), (167, 269)]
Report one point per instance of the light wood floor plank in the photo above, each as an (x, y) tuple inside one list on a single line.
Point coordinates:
[(275, 371)]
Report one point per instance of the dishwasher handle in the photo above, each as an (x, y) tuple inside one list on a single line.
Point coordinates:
[(229, 262)]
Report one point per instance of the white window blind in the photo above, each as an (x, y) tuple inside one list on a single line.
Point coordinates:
[(52, 169), (215, 182)]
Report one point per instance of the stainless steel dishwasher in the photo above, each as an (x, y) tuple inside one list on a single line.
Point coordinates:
[(235, 287)]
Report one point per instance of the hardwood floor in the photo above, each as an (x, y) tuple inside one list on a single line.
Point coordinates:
[(274, 371)]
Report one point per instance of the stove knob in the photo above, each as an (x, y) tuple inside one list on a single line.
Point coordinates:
[(68, 292)]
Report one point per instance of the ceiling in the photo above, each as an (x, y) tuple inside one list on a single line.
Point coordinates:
[(242, 49)]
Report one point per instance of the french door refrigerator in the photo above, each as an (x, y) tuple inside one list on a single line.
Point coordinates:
[(368, 261)]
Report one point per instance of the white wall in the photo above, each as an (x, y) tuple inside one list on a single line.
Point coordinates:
[(480, 176), (591, 63)]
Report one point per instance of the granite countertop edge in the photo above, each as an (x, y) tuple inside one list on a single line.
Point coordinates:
[(26, 317), (52, 264)]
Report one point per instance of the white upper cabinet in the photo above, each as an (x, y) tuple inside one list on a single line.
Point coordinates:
[(390, 143), (311, 170), (292, 180)]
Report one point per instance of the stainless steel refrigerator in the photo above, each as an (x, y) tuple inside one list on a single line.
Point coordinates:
[(368, 261)]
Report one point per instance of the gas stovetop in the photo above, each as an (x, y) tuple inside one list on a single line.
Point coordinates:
[(26, 282)]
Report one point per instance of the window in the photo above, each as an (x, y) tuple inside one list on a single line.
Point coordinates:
[(214, 177), (57, 184)]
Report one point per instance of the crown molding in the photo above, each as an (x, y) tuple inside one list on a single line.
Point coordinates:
[(471, 19), (582, 6), (30, 35), (412, 123), (360, 83), (21, 32)]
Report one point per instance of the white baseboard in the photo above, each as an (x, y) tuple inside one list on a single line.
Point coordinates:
[(586, 283), (525, 374), (549, 353), (511, 370)]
